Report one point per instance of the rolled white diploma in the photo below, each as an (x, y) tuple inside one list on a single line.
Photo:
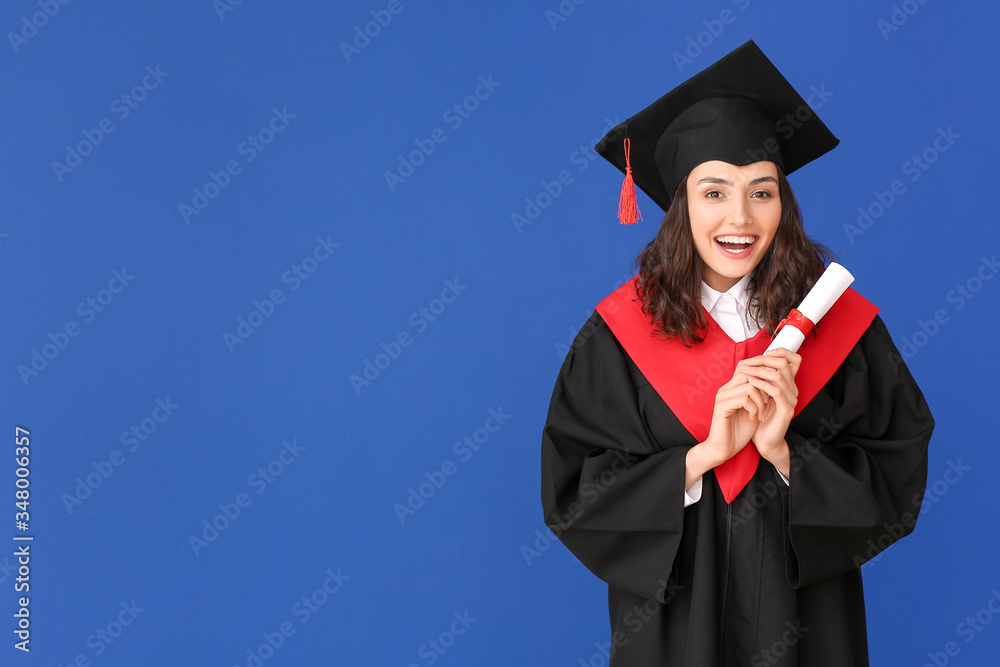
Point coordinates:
[(834, 282)]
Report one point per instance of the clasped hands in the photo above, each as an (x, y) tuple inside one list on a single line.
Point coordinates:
[(756, 404)]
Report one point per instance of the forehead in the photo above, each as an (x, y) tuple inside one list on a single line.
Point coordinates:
[(731, 172)]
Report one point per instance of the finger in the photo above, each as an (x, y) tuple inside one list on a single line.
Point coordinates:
[(794, 360), (739, 380), (762, 372), (778, 359), (757, 415), (738, 377), (768, 388), (786, 381), (754, 411), (775, 371), (758, 399), (729, 401), (769, 375), (784, 399), (769, 359), (763, 367), (769, 411), (734, 398)]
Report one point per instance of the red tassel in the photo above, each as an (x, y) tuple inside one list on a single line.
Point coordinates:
[(628, 208)]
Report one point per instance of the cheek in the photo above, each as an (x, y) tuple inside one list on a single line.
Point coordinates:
[(771, 220), (701, 221), (776, 214)]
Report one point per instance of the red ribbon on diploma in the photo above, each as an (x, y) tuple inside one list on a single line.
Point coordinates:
[(797, 320)]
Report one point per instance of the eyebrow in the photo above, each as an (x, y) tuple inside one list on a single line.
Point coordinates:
[(722, 181)]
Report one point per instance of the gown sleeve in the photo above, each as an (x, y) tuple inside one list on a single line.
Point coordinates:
[(610, 492), (858, 463)]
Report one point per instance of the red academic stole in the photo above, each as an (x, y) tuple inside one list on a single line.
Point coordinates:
[(687, 378)]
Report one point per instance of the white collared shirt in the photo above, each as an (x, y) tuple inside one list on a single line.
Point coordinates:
[(730, 310)]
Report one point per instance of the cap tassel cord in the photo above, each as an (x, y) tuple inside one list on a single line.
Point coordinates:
[(628, 208)]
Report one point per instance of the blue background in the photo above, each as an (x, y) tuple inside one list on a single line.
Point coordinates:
[(519, 291)]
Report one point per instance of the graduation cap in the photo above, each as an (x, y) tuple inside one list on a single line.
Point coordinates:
[(739, 110)]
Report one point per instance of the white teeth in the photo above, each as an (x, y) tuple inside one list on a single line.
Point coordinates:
[(735, 239)]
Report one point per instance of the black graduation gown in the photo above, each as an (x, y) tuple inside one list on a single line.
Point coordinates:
[(772, 578)]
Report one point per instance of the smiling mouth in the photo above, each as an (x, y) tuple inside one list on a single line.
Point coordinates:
[(736, 245)]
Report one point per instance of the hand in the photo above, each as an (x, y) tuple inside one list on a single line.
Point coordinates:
[(739, 408), (774, 375)]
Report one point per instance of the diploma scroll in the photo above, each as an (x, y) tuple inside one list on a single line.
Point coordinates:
[(834, 282)]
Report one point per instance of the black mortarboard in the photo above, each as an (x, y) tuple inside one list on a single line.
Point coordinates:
[(739, 110)]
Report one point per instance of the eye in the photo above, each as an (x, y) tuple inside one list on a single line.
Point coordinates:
[(762, 194), (713, 194)]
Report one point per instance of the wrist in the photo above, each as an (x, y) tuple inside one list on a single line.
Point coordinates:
[(778, 456), (767, 449), (699, 460)]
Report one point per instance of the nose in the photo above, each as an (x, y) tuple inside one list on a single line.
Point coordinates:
[(739, 214)]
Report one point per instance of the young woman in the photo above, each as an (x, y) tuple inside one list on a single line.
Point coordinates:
[(728, 497)]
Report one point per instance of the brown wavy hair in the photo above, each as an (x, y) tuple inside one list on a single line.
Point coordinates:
[(670, 271)]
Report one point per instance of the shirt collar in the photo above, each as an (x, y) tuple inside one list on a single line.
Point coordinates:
[(738, 291)]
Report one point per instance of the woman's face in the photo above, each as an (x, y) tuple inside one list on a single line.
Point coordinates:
[(734, 214)]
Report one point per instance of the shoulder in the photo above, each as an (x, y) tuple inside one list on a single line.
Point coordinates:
[(624, 299), (876, 358), (852, 307), (594, 338), (597, 359)]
